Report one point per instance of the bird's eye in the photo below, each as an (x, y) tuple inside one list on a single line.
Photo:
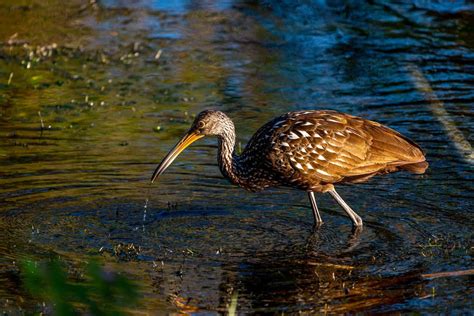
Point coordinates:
[(200, 124)]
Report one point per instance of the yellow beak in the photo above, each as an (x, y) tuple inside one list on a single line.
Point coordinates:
[(187, 140)]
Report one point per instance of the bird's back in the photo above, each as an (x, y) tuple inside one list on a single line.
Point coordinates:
[(311, 149)]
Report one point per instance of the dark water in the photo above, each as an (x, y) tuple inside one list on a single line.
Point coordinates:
[(112, 105)]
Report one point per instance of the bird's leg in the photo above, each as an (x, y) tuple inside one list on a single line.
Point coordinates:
[(356, 220), (317, 218)]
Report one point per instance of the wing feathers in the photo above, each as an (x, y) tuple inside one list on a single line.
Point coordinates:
[(327, 147)]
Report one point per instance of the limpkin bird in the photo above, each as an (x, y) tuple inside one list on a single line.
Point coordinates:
[(307, 150)]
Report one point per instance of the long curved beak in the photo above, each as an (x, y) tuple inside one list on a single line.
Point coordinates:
[(187, 140)]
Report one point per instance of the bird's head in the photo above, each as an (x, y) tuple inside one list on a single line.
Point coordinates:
[(209, 122)]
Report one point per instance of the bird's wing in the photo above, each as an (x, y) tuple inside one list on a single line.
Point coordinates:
[(331, 146)]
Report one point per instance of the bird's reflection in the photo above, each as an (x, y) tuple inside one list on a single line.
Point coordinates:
[(312, 280), (314, 238), (305, 277)]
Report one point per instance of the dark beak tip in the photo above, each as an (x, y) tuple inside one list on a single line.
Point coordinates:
[(154, 177)]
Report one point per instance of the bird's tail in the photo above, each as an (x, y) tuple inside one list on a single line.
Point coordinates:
[(416, 168)]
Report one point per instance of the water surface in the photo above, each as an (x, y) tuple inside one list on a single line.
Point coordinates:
[(94, 94)]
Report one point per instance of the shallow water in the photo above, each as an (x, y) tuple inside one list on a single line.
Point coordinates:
[(94, 94)]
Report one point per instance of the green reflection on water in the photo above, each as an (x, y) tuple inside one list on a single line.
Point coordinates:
[(100, 292)]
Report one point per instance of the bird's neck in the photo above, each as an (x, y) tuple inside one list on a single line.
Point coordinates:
[(228, 159), (243, 170)]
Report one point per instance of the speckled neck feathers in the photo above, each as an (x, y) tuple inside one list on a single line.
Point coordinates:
[(226, 152), (239, 170)]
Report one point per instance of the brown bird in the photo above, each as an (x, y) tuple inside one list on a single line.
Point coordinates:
[(307, 150)]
